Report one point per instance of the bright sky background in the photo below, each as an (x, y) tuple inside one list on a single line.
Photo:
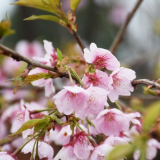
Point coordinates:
[(5, 7)]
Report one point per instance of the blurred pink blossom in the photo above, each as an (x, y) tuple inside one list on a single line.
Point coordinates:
[(6, 156), (29, 49), (151, 151), (44, 149), (100, 152), (2, 78), (26, 49), (118, 15)]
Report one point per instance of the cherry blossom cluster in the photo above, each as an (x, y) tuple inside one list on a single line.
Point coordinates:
[(83, 110)]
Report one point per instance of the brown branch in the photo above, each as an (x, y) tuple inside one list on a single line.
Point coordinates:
[(146, 82), (78, 39), (122, 30), (11, 53), (22, 88)]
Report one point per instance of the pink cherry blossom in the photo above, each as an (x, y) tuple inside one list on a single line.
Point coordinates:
[(131, 133), (66, 153), (23, 115), (46, 83), (114, 140), (82, 146), (98, 78), (64, 135), (44, 149), (50, 56), (133, 118), (51, 136), (6, 156), (70, 99), (96, 102), (111, 122), (100, 152), (49, 59), (79, 149), (121, 85), (101, 58)]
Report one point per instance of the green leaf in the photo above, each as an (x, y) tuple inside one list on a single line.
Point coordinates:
[(89, 122), (35, 77), (121, 151), (59, 121), (5, 27), (44, 17), (55, 2), (40, 125), (59, 54), (74, 4), (17, 82), (151, 116), (46, 5), (30, 124)]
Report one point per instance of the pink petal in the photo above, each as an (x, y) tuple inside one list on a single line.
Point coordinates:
[(49, 88)]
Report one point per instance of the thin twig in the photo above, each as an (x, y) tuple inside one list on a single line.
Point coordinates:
[(122, 30), (141, 97), (78, 39), (11, 53), (146, 82), (22, 88)]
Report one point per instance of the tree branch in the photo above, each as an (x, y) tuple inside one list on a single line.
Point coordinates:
[(78, 39), (122, 30), (147, 82), (18, 57)]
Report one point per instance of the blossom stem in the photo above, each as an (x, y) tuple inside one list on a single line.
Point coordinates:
[(77, 77), (33, 150), (89, 138), (118, 106), (70, 77), (78, 39), (57, 119), (20, 148)]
